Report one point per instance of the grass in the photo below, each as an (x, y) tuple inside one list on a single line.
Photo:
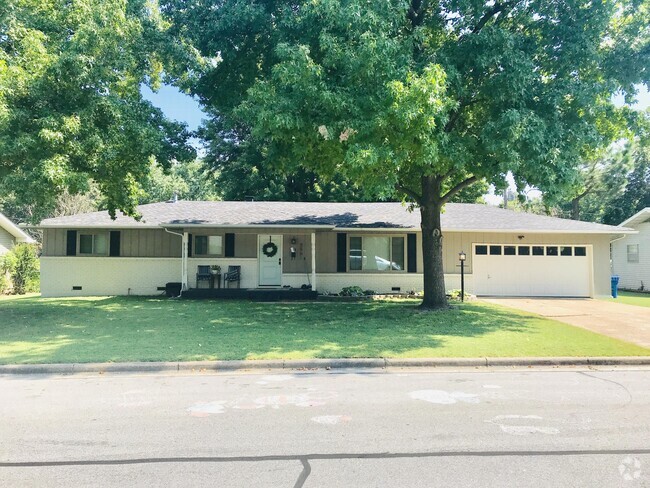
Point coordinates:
[(632, 298), (48, 330)]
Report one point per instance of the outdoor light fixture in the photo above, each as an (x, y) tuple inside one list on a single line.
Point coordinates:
[(462, 257)]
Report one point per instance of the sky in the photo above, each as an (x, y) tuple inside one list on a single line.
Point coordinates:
[(176, 105), (179, 106)]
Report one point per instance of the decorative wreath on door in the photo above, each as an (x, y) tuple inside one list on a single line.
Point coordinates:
[(270, 249)]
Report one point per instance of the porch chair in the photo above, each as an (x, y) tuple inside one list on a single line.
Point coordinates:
[(233, 274), (203, 274)]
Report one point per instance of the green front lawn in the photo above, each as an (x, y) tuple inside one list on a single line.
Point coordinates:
[(632, 298), (47, 330)]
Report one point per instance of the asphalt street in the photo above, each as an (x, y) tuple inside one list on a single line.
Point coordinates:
[(478, 428)]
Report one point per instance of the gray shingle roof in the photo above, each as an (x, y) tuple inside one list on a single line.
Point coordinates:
[(457, 217)]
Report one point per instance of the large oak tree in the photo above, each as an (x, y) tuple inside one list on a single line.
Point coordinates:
[(71, 111), (421, 98)]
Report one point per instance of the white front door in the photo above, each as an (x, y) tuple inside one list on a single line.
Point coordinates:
[(269, 248)]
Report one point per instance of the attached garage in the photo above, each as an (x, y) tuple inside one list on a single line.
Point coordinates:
[(546, 270)]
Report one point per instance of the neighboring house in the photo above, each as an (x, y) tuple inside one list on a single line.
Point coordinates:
[(631, 254), (10, 235), (376, 246)]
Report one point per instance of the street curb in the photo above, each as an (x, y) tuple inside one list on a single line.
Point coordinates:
[(317, 364)]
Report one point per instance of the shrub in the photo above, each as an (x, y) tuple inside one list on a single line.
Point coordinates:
[(352, 291), (455, 295), (21, 263), (4, 281)]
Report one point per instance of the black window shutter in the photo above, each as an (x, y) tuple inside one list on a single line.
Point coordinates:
[(189, 245), (341, 252), (411, 253), (71, 243), (114, 249), (229, 251)]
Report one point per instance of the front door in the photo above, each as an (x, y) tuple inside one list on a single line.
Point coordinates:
[(270, 260)]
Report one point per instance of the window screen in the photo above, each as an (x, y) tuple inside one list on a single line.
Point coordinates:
[(215, 245), (377, 253)]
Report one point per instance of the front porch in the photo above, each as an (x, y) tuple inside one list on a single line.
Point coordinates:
[(255, 294)]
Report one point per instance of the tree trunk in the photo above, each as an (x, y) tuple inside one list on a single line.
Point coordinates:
[(575, 208), (434, 278)]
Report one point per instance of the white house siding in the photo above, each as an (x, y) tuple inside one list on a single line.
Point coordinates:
[(384, 282), (7, 241), (632, 275), (106, 276)]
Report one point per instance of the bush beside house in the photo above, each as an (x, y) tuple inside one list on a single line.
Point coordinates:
[(19, 270)]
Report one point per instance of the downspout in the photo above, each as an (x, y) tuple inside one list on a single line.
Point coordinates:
[(184, 239), (611, 252)]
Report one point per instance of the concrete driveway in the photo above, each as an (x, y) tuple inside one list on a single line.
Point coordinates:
[(626, 322)]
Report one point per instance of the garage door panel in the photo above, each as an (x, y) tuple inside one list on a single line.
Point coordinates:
[(530, 275)]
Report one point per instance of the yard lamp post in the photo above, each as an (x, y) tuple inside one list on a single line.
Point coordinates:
[(462, 257)]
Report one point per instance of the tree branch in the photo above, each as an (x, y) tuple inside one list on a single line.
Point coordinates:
[(416, 12), (496, 9), (457, 188), (455, 114), (410, 193)]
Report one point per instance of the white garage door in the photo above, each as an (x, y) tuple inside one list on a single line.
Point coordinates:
[(532, 270)]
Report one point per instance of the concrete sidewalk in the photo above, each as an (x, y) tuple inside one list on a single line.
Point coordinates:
[(625, 322)]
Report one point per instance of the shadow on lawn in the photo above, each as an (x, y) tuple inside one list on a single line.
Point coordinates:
[(159, 329)]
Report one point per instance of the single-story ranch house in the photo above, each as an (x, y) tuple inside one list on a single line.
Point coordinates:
[(10, 235), (631, 255), (328, 246)]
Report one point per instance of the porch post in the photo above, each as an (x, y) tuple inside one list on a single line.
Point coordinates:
[(184, 286), (313, 261)]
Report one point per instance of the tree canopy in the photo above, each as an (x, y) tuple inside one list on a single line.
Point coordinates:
[(422, 99), (70, 104)]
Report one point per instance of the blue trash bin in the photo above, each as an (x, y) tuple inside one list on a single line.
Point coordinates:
[(615, 279)]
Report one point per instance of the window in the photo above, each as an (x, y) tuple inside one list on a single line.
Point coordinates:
[(632, 253), (551, 250), (495, 250), (579, 251), (481, 250), (208, 245), (566, 251), (376, 253), (523, 250), (93, 244), (538, 250), (509, 250), (356, 254)]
